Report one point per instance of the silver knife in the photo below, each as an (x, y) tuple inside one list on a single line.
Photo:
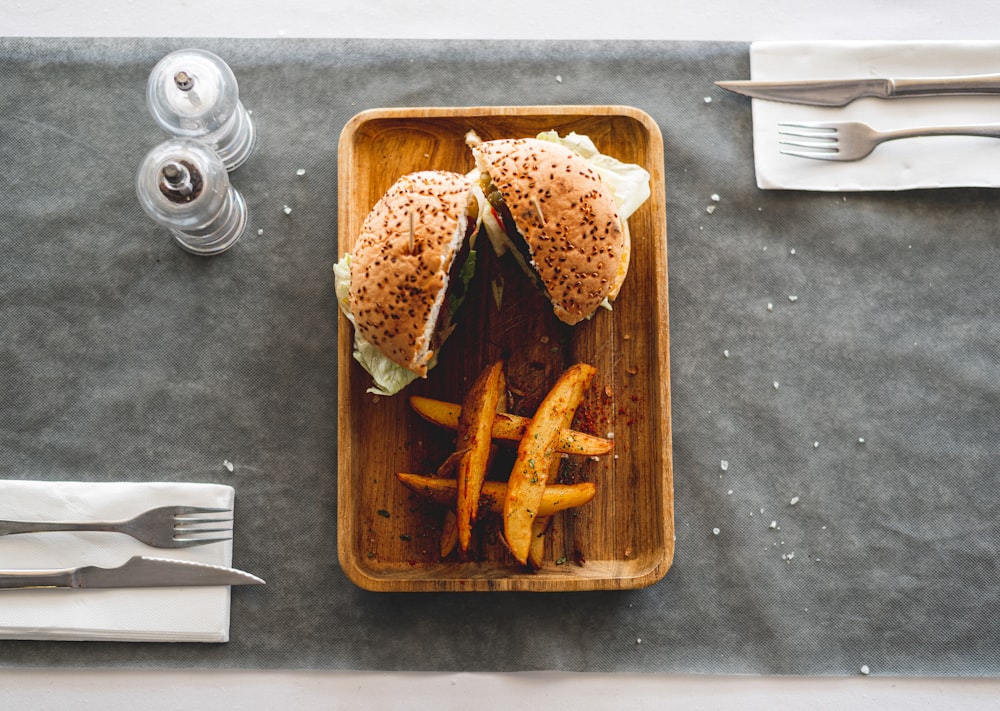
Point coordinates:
[(138, 572), (840, 92)]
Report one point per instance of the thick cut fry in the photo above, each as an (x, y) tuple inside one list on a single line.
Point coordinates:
[(450, 465), (449, 533), (475, 428), (536, 552), (510, 427), (536, 456), (557, 497), (540, 526), (449, 526)]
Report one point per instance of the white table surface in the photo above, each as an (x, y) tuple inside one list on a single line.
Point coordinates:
[(735, 20)]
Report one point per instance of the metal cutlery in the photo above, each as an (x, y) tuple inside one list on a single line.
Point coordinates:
[(164, 527), (137, 572), (840, 92), (853, 140)]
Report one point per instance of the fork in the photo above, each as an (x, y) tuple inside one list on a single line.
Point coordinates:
[(853, 140), (164, 527)]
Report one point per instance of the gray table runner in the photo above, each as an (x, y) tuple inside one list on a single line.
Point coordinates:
[(871, 400)]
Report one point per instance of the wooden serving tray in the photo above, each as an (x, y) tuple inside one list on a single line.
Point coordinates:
[(624, 538)]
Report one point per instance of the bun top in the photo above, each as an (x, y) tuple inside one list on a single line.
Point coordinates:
[(401, 262), (567, 217)]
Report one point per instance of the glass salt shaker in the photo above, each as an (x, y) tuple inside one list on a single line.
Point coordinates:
[(183, 185), (192, 93)]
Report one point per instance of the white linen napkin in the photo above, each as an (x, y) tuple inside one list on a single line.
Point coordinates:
[(934, 162), (194, 614)]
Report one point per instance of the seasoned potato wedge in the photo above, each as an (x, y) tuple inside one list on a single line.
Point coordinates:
[(556, 497), (510, 427), (475, 428), (450, 465), (537, 457), (449, 533), (536, 551)]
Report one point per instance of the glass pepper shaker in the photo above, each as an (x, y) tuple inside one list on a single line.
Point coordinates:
[(183, 185)]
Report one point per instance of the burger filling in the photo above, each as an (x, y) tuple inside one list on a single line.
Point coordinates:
[(463, 267), (510, 237)]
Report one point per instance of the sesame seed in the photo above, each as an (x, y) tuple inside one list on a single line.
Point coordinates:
[(795, 500), (724, 465)]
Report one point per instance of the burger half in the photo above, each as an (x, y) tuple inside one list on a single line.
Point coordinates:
[(560, 207), (407, 275)]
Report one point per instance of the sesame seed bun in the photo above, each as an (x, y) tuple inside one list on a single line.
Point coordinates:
[(399, 274), (576, 241)]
